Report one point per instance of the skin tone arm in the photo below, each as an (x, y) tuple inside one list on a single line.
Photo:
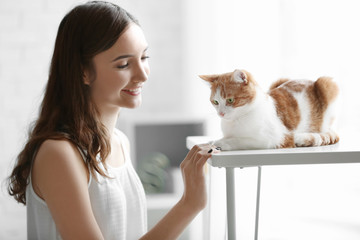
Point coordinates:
[(59, 171), (193, 199), (59, 175)]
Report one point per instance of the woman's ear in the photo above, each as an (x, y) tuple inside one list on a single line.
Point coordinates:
[(86, 77)]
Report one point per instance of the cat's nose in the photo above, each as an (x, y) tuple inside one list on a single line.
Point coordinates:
[(221, 114)]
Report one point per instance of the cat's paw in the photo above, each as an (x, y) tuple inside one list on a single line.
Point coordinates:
[(223, 144)]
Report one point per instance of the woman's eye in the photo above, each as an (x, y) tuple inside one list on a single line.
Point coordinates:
[(215, 102), (230, 100), (144, 57), (123, 66)]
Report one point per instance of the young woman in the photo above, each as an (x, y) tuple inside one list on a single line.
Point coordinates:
[(74, 173)]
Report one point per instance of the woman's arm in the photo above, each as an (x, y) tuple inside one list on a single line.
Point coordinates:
[(193, 199), (60, 177)]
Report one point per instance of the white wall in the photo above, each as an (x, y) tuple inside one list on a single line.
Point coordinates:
[(295, 39), (321, 38), (27, 34), (270, 38)]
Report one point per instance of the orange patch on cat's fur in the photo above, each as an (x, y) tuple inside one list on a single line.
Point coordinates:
[(278, 83), (245, 93), (286, 107), (321, 94), (242, 93), (314, 99), (297, 86), (326, 139), (288, 142), (292, 85)]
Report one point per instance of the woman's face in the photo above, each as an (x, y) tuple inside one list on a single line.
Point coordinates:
[(121, 71)]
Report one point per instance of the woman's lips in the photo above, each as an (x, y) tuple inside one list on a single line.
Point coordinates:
[(133, 91)]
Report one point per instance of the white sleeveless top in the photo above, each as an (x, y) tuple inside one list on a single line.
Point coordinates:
[(118, 204)]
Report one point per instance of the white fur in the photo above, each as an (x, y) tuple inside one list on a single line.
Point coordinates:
[(252, 126), (329, 117), (256, 125), (304, 108), (316, 139)]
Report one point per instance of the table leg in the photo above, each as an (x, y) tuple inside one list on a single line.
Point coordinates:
[(230, 201), (257, 203)]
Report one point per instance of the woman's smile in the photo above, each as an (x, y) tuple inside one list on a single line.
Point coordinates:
[(132, 91)]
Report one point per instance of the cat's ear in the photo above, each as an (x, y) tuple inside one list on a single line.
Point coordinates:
[(209, 78), (240, 76)]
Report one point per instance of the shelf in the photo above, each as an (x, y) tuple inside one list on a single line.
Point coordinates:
[(341, 152)]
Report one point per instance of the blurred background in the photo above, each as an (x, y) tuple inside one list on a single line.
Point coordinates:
[(301, 39)]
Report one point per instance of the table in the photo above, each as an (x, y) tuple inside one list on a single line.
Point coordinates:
[(342, 152)]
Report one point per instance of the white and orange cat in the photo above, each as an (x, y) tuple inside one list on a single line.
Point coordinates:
[(293, 113)]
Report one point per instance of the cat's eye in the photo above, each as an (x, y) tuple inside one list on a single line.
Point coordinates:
[(230, 100), (215, 102)]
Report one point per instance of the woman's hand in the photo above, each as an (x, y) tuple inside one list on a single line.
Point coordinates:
[(193, 200), (192, 169)]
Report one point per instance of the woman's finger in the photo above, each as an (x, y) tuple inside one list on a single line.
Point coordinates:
[(193, 151), (198, 153), (205, 156)]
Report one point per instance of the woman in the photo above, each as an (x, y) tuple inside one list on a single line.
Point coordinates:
[(74, 173)]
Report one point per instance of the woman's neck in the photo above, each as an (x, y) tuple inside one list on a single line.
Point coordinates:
[(109, 119)]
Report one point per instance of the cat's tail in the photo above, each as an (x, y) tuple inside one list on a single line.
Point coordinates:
[(315, 139)]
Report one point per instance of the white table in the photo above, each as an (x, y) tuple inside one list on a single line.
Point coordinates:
[(342, 152)]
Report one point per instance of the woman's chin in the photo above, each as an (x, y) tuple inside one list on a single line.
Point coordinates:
[(134, 104)]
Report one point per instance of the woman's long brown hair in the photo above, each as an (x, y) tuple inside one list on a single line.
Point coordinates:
[(66, 111)]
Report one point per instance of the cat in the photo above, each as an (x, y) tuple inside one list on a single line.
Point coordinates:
[(293, 113)]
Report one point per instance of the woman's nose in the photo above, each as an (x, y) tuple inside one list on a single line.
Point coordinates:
[(142, 72)]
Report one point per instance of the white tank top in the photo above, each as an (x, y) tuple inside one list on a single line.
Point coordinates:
[(118, 204)]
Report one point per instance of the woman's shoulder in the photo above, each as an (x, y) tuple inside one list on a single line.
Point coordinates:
[(57, 149), (57, 159), (59, 177), (57, 145)]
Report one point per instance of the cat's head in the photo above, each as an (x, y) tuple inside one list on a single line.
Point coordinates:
[(231, 92)]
